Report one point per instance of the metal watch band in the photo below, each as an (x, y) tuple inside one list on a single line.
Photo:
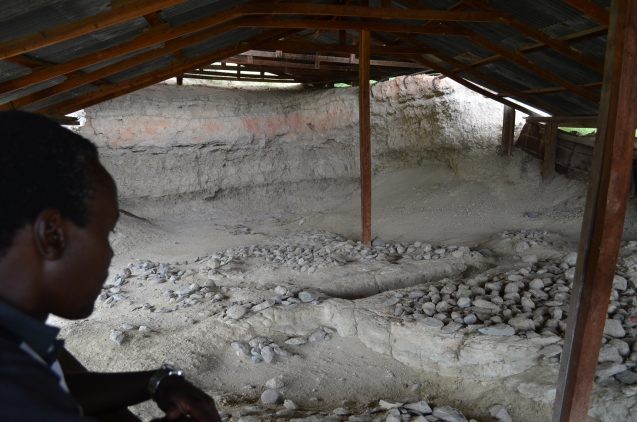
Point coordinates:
[(159, 375)]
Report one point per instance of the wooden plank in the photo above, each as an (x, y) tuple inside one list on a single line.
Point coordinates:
[(550, 150), (115, 16), (530, 66), (82, 79), (364, 12), (176, 68), (553, 43), (157, 34), (373, 25), (508, 127), (603, 220), (364, 115), (574, 121), (590, 9), (307, 47)]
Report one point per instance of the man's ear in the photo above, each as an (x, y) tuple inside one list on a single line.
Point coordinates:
[(49, 234)]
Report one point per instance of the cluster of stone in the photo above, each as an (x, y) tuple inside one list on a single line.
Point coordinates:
[(530, 301), (263, 349), (260, 349), (310, 250), (275, 407)]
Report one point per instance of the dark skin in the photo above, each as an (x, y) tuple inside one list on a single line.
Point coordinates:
[(53, 256)]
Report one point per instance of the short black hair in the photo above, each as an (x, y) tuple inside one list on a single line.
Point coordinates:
[(42, 166)]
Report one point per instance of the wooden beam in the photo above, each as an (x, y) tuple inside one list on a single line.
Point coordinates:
[(590, 9), (157, 34), (480, 76), (81, 79), (550, 42), (176, 68), (530, 66), (550, 151), (345, 50), (508, 127), (364, 116), (364, 12), (603, 221), (115, 16), (476, 88), (370, 25)]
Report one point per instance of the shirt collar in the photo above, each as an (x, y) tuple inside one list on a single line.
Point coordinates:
[(42, 338)]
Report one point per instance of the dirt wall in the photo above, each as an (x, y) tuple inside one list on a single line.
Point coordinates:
[(195, 140)]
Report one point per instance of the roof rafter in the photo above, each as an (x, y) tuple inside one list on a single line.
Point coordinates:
[(124, 13), (595, 12), (176, 68), (553, 43)]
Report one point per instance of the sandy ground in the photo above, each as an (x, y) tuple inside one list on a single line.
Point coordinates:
[(466, 203)]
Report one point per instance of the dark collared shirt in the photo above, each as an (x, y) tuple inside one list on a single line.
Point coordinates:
[(32, 386)]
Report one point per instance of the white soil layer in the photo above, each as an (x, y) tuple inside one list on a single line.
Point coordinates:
[(451, 191)]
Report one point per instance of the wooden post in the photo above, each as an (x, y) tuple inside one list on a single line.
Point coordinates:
[(550, 151), (365, 136), (508, 126), (180, 80), (603, 221)]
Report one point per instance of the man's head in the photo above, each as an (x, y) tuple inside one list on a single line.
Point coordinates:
[(59, 206)]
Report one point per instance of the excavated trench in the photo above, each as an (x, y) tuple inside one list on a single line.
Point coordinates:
[(221, 257)]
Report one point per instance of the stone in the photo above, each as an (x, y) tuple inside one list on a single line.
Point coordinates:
[(419, 407), (393, 416), (569, 274), (498, 330), (280, 290), (236, 311), (622, 347), (470, 319), (432, 322), (391, 301), (341, 411), (429, 308), (608, 369), (387, 405), (267, 354), (307, 296), (263, 305), (511, 288), (485, 304), (275, 383), (614, 328), (609, 353), (289, 404), (536, 284), (270, 396), (521, 323), (527, 303), (570, 259), (117, 336), (448, 414), (378, 242), (240, 348), (296, 341), (464, 302), (620, 283), (318, 335), (627, 377), (521, 247), (500, 412), (551, 350)]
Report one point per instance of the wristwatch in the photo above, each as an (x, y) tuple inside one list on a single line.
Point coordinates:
[(166, 370)]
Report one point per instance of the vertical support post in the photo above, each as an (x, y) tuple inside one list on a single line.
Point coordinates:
[(508, 126), (603, 221), (180, 80), (365, 136), (550, 151)]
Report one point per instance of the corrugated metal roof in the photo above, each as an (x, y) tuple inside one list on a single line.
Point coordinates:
[(554, 18)]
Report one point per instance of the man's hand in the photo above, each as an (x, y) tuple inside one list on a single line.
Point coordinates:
[(179, 398)]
